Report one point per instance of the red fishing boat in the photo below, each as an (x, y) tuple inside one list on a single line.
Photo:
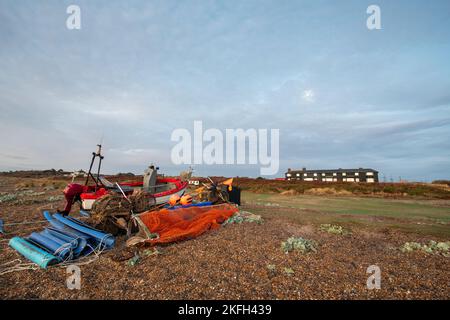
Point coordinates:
[(159, 189)]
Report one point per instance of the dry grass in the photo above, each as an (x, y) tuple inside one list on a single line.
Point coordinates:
[(385, 190), (328, 191)]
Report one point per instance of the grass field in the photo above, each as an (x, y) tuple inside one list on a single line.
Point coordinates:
[(430, 217)]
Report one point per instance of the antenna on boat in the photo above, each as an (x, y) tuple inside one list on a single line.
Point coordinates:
[(96, 154)]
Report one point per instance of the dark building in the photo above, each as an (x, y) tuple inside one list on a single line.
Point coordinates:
[(334, 175)]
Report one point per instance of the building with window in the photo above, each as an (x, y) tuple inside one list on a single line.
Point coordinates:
[(333, 175)]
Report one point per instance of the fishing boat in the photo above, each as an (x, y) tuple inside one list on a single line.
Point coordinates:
[(161, 191), (157, 189)]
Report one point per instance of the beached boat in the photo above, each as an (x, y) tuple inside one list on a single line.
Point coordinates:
[(157, 189), (161, 191)]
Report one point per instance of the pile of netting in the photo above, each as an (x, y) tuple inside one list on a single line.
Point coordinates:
[(185, 223), (112, 211)]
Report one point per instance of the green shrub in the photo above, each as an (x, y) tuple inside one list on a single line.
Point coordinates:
[(332, 228), (432, 247), (298, 244), (244, 216), (55, 198), (289, 271), (389, 189), (271, 267), (8, 197)]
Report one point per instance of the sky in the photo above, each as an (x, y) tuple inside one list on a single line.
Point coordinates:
[(343, 96)]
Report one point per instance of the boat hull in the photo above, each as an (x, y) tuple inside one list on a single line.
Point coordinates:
[(165, 198), (88, 199)]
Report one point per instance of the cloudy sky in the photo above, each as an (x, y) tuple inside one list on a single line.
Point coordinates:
[(341, 95)]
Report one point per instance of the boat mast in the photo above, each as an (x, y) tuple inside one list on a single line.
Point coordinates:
[(96, 154)]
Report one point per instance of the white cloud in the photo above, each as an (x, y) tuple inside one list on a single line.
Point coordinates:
[(309, 95), (138, 156)]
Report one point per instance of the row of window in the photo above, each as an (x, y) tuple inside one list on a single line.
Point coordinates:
[(335, 179), (334, 174)]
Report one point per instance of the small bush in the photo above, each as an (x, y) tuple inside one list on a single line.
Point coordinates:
[(335, 229), (289, 271), (298, 244), (244, 216), (31, 193), (55, 198), (432, 247), (8, 197), (271, 267), (389, 189)]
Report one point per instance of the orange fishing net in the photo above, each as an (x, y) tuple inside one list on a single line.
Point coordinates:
[(185, 223)]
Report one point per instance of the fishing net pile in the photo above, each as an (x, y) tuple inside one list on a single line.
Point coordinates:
[(185, 223), (112, 212)]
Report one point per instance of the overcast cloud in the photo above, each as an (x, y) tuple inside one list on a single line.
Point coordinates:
[(341, 95)]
